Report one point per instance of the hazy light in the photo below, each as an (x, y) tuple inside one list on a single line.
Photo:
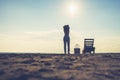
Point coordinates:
[(73, 8)]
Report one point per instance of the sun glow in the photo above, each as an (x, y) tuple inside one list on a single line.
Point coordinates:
[(73, 9)]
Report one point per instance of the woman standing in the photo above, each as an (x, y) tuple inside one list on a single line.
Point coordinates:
[(66, 38)]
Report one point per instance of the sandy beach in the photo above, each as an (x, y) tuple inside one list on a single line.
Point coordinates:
[(60, 67)]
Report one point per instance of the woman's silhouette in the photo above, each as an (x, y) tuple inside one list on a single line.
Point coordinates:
[(66, 38)]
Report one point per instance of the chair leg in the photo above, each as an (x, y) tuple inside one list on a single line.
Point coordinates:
[(83, 52), (94, 52)]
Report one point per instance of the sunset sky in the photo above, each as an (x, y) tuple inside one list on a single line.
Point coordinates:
[(37, 25)]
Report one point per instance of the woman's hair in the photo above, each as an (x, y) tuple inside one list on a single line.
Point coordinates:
[(66, 28)]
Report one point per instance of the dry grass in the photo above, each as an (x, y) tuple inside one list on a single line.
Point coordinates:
[(59, 67)]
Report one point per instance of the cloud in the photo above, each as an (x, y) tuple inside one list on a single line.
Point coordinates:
[(52, 41), (46, 35), (33, 41)]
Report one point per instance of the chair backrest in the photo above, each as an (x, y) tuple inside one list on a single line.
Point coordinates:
[(88, 42)]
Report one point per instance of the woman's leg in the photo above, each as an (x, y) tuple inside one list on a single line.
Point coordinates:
[(69, 46), (64, 45)]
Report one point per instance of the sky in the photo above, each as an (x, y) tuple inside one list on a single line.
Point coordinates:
[(37, 25)]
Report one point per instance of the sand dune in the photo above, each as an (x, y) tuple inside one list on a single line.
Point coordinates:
[(59, 67)]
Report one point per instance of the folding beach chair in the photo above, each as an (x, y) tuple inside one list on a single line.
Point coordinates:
[(88, 46)]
